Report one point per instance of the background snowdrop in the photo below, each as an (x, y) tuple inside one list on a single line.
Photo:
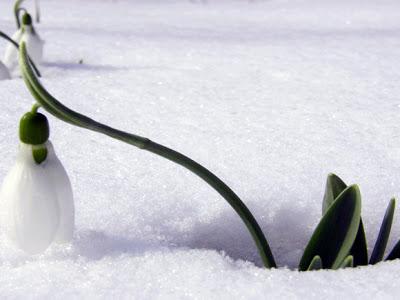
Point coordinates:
[(28, 34)]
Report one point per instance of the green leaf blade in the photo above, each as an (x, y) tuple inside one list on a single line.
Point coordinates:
[(384, 232), (336, 232), (316, 264), (347, 263), (359, 250), (395, 253), (334, 187)]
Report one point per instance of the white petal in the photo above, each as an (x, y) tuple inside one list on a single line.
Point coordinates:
[(34, 46), (4, 73), (29, 204), (64, 195), (11, 54)]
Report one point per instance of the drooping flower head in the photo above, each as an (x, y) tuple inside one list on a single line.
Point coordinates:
[(34, 43), (36, 197)]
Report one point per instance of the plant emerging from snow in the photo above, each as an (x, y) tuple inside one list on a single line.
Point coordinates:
[(62, 112), (37, 206), (337, 242), (339, 239)]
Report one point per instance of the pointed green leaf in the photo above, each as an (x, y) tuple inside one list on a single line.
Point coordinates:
[(359, 250), (336, 232), (316, 264), (347, 263), (383, 236), (334, 186), (395, 253)]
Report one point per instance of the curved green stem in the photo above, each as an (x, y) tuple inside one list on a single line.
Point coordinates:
[(56, 108), (7, 38), (16, 12), (35, 107)]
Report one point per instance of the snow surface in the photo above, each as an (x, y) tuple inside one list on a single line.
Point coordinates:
[(269, 95)]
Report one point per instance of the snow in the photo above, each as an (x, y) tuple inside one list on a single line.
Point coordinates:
[(269, 95)]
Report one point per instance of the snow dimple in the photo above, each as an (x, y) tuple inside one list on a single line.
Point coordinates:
[(269, 95)]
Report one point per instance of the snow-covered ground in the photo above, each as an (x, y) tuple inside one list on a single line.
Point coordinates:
[(269, 95)]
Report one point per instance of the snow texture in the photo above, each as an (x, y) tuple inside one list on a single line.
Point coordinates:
[(269, 95)]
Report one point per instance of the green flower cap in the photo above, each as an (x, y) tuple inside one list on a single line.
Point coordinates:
[(34, 128), (26, 19)]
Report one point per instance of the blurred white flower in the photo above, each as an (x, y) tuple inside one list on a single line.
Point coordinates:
[(36, 202), (34, 44), (4, 73)]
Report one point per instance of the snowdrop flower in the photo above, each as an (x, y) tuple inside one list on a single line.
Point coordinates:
[(36, 200), (4, 73), (34, 44)]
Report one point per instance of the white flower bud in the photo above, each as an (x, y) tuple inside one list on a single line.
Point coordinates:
[(36, 202), (34, 46)]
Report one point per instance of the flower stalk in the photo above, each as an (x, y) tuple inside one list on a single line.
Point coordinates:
[(56, 108)]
